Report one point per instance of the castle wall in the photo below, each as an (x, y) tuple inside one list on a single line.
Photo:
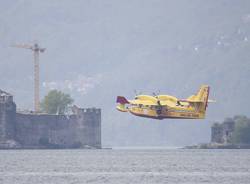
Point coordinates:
[(42, 129), (78, 130)]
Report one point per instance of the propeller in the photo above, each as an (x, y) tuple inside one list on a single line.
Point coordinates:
[(137, 93), (155, 94)]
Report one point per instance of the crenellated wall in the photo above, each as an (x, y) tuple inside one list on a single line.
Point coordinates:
[(82, 129)]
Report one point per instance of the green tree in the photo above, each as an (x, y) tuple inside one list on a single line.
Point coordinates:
[(56, 102), (241, 133)]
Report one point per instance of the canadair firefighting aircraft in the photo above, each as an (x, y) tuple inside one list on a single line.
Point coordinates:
[(166, 106)]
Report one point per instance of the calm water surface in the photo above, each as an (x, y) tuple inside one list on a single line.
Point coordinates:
[(124, 166)]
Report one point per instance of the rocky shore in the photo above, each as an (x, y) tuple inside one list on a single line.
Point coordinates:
[(219, 146)]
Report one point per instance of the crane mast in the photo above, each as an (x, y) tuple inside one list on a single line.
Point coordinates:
[(36, 50)]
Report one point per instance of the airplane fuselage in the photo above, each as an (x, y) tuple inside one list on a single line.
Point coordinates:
[(178, 113)]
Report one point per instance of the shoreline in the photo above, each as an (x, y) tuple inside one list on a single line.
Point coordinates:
[(218, 146)]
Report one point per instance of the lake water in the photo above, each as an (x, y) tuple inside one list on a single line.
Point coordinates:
[(124, 166)]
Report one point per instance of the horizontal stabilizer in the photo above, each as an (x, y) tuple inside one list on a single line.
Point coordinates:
[(211, 101), (195, 101), (190, 101)]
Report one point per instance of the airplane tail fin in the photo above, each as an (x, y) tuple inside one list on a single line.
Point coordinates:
[(201, 98), (122, 101), (203, 94)]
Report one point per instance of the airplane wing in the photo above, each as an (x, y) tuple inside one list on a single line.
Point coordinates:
[(211, 101), (123, 100), (143, 102), (167, 103)]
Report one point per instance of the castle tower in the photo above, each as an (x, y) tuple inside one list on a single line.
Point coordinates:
[(7, 120), (88, 126)]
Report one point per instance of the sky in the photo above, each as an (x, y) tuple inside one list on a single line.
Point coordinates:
[(97, 50)]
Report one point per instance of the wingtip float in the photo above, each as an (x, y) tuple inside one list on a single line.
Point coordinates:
[(166, 106)]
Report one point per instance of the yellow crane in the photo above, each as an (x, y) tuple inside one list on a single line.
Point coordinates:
[(36, 50)]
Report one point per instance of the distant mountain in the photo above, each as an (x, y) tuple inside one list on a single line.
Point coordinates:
[(97, 50)]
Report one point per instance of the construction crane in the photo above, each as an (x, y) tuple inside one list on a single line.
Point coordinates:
[(36, 50)]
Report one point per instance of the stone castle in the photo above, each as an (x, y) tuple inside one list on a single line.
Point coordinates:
[(222, 132), (82, 129)]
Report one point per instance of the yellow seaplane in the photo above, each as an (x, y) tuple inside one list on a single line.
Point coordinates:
[(166, 106)]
